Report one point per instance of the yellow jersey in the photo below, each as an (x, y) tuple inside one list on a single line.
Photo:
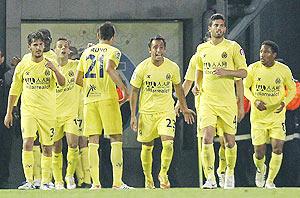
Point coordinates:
[(37, 84), (97, 83), (268, 84), (67, 96), (219, 91), (156, 83), (190, 75)]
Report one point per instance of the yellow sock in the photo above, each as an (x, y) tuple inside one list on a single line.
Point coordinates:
[(166, 156), (222, 160), (57, 164), (116, 157), (27, 161), (46, 165), (37, 163), (259, 163), (79, 171), (274, 166), (94, 163), (208, 159), (72, 158), (146, 159), (230, 155), (85, 165)]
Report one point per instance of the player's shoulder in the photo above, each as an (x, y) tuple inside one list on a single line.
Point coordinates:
[(254, 65), (282, 66), (171, 63), (202, 46)]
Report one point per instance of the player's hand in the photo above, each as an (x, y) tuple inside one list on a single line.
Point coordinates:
[(260, 105), (282, 105), (188, 115), (241, 114), (196, 90), (220, 72), (50, 65), (126, 96), (177, 109), (133, 123), (8, 120)]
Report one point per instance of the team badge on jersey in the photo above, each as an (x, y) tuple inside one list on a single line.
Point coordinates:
[(277, 81), (168, 76), (224, 55), (47, 72), (118, 55), (71, 73)]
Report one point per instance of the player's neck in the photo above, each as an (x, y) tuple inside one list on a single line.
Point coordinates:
[(105, 42), (270, 64), (216, 41), (157, 62), (37, 59)]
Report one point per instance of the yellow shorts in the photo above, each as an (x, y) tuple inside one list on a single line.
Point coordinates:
[(101, 115), (222, 118), (151, 126), (30, 126), (65, 125), (262, 134)]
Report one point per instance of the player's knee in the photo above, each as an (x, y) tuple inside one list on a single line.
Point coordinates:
[(277, 150), (47, 150), (115, 138), (28, 144), (73, 145), (230, 144), (259, 154)]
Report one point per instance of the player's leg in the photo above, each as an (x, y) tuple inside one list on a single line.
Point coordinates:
[(57, 157), (166, 130), (277, 135), (37, 174), (93, 130), (29, 127), (259, 139), (222, 162), (57, 164), (72, 133), (83, 146), (112, 123), (147, 132), (228, 123), (46, 132)]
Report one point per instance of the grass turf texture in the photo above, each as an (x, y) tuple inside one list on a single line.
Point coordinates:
[(143, 193)]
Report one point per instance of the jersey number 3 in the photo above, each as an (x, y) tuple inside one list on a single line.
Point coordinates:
[(89, 73)]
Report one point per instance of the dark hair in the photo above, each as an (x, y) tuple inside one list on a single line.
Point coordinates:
[(214, 17), (274, 47), (157, 37), (206, 37), (34, 36), (106, 31), (46, 34), (63, 39)]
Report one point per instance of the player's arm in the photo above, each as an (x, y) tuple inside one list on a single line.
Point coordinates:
[(133, 103), (187, 113), (79, 78), (8, 120), (60, 78), (199, 77), (186, 86), (14, 92), (291, 91), (248, 81), (112, 72), (240, 99)]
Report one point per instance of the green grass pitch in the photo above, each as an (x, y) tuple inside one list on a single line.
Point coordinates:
[(156, 193)]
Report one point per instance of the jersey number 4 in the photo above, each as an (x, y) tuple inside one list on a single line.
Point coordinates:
[(89, 73)]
